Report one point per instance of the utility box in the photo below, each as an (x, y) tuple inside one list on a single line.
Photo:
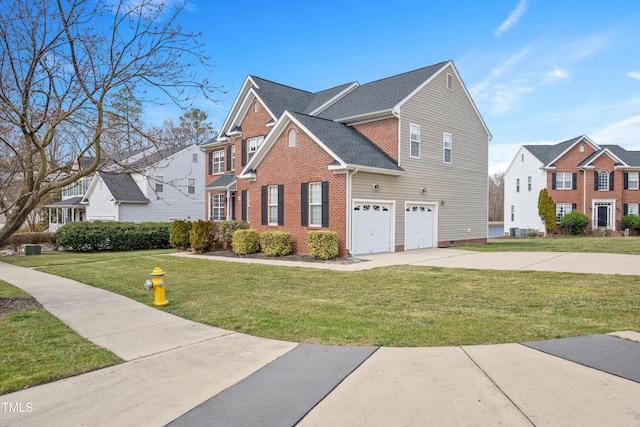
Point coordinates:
[(32, 249), (513, 231)]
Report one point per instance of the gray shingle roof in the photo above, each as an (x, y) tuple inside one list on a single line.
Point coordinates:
[(123, 187), (347, 143), (279, 98), (548, 153), (224, 181), (380, 95), (71, 201)]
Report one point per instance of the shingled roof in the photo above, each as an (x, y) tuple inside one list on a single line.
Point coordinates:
[(547, 154), (123, 187), (347, 143)]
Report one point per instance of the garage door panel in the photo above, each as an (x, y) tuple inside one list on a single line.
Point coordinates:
[(371, 227), (419, 224)]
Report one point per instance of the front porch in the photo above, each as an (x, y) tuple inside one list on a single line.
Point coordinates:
[(66, 211)]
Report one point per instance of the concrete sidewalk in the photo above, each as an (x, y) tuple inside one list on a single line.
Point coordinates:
[(176, 368)]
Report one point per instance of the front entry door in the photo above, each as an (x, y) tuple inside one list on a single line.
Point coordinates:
[(603, 214)]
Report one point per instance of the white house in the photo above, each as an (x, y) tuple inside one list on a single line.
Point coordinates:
[(523, 181), (148, 185)]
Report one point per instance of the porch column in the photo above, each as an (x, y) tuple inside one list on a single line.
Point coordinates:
[(228, 204)]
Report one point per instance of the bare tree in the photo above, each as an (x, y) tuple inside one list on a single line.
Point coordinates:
[(193, 128), (61, 62), (496, 197)]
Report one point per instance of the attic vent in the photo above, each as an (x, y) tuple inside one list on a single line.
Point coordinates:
[(449, 81), (581, 148)]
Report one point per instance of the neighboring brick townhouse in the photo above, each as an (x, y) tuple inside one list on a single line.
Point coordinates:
[(395, 164), (601, 181)]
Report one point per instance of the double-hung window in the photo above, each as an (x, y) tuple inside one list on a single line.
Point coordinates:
[(529, 183), (561, 210), (632, 209), (191, 185), (159, 179), (564, 180), (273, 204), (315, 204), (517, 185), (252, 145), (218, 161), (414, 140), (447, 146), (217, 207), (631, 181)]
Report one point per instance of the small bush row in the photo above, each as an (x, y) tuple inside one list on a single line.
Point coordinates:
[(631, 221), (116, 236), (18, 239), (322, 244), (202, 236)]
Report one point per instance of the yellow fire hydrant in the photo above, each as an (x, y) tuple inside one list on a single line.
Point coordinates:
[(157, 284)]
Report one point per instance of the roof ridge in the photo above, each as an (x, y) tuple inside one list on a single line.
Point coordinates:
[(280, 84), (438, 65)]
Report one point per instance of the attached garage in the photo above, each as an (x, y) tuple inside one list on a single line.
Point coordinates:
[(419, 226), (372, 226)]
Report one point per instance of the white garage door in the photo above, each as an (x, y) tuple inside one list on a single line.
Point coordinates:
[(371, 227), (419, 221)]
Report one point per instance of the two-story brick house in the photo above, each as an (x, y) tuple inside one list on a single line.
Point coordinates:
[(600, 181), (395, 164)]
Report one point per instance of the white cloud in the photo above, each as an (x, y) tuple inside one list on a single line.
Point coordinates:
[(634, 74), (624, 133), (513, 19)]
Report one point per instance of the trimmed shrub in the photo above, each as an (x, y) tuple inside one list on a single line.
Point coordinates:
[(574, 222), (631, 221), (323, 244), (180, 230), (117, 236), (227, 228), (245, 242), (202, 235), (275, 243)]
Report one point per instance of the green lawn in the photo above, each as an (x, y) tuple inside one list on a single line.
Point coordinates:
[(614, 245), (394, 306), (36, 348)]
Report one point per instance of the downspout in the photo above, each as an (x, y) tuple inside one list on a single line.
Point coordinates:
[(348, 203)]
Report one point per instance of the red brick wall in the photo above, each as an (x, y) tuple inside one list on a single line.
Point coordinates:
[(383, 133), (585, 193), (291, 166)]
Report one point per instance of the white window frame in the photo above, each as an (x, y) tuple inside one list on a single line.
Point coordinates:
[(248, 206), (447, 147), (218, 162), (636, 180), (561, 210), (159, 180), (272, 205), (603, 180), (632, 209), (252, 146), (233, 157), (194, 158), (315, 204), (528, 183), (517, 185), (562, 183), (414, 141), (449, 81), (217, 207), (191, 185), (293, 138), (513, 213)]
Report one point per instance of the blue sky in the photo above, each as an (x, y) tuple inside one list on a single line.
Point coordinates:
[(540, 71)]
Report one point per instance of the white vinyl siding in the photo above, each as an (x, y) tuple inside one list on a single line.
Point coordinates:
[(191, 186)]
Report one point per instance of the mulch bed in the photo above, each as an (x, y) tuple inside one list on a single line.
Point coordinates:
[(13, 304), (292, 257)]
